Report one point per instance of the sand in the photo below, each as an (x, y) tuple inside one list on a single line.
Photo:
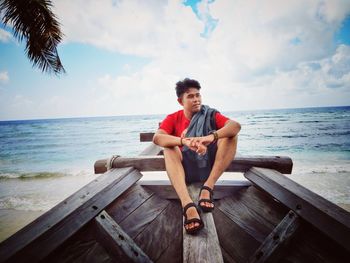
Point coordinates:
[(13, 220)]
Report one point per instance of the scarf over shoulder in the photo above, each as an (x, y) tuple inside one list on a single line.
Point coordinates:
[(202, 123)]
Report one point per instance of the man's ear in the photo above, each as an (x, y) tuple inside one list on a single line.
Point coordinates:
[(179, 100)]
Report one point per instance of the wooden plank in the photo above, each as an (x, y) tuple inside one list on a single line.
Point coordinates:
[(226, 256), (233, 239), (204, 246), (252, 210), (173, 254), (129, 201), (80, 252), (138, 220), (38, 239), (163, 232), (277, 240), (152, 149), (81, 247), (250, 221), (311, 245), (262, 204), (117, 243), (239, 164), (164, 189), (329, 218), (146, 136)]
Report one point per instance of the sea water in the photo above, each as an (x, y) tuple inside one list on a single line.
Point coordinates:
[(44, 161)]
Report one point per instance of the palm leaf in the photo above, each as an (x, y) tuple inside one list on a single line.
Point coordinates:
[(34, 22)]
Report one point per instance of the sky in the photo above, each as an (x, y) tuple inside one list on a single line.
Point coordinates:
[(124, 57)]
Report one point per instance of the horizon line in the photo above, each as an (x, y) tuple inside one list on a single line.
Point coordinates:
[(134, 115)]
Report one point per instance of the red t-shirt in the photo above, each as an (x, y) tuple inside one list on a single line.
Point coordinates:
[(176, 123)]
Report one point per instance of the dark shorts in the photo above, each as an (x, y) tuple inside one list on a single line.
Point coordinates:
[(193, 173)]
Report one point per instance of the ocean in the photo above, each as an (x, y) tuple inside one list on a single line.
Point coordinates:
[(44, 161)]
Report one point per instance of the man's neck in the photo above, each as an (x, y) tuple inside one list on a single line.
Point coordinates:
[(188, 114)]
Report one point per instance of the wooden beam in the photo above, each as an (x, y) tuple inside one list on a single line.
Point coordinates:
[(164, 189), (239, 164), (329, 218), (116, 242), (152, 149), (272, 247), (204, 246), (146, 136), (38, 239)]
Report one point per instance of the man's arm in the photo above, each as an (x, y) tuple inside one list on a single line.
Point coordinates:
[(230, 129), (163, 139)]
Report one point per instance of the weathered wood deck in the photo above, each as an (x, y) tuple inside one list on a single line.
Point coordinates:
[(117, 218)]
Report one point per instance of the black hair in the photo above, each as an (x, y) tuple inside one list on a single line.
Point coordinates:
[(183, 85)]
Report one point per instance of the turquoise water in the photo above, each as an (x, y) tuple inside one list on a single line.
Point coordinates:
[(43, 161)]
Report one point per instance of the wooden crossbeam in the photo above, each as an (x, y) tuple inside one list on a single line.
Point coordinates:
[(38, 239), (329, 218), (117, 243), (270, 249), (204, 246), (239, 164), (146, 136)]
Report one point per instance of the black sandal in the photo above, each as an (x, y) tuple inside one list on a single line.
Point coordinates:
[(203, 207), (192, 230)]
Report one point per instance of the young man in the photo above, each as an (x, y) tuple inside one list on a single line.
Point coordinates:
[(199, 144)]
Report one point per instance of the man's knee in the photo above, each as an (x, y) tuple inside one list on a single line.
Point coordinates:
[(172, 152)]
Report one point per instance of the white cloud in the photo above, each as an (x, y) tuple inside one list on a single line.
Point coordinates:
[(261, 54), (4, 36), (4, 77), (144, 28)]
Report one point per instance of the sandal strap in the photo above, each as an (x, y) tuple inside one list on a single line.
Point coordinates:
[(193, 220), (209, 190), (205, 200), (188, 206)]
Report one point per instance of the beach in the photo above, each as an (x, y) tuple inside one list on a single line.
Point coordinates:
[(42, 162)]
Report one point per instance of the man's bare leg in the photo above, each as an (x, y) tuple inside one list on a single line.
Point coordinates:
[(176, 174), (225, 154)]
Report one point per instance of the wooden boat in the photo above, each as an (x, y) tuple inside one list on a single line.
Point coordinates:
[(118, 218)]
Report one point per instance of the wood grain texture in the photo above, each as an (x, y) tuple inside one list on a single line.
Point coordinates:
[(204, 246), (248, 220), (141, 217), (310, 245), (282, 164), (233, 239), (263, 204), (129, 201), (329, 218), (41, 237), (272, 248), (250, 209), (161, 237), (81, 247), (118, 244)]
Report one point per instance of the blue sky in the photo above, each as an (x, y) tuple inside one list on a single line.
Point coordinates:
[(124, 57)]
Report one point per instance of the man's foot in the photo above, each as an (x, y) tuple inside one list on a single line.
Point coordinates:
[(206, 201), (193, 222)]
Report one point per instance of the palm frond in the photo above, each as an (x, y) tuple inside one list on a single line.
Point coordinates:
[(34, 22)]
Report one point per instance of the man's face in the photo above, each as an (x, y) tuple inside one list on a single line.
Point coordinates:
[(191, 100)]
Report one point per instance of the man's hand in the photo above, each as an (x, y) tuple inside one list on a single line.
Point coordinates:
[(205, 140), (198, 144)]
